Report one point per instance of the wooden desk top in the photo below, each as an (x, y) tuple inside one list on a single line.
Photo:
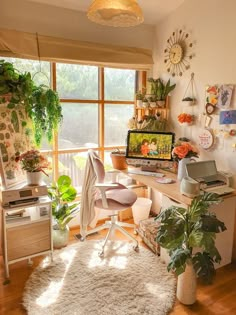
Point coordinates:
[(170, 190)]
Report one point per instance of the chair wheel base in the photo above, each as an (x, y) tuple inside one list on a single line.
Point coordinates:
[(136, 248), (101, 254)]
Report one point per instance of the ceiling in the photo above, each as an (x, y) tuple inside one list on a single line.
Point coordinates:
[(153, 10)]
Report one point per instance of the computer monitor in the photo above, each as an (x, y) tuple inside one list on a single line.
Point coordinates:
[(147, 148)]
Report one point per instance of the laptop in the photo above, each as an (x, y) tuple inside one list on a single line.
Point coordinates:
[(205, 172)]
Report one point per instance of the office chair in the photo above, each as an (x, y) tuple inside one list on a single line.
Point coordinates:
[(108, 196)]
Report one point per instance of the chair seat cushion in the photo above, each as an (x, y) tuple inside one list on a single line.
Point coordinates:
[(147, 230), (118, 199)]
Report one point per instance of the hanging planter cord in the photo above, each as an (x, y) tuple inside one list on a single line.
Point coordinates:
[(190, 86)]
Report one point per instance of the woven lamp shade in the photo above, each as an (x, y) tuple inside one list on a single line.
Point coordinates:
[(118, 13)]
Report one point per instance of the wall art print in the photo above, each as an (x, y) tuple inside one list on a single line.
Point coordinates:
[(225, 95), (15, 137), (227, 117)]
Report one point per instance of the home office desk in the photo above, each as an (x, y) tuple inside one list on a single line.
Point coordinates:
[(171, 195)]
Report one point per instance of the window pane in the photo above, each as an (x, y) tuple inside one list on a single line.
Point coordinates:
[(79, 127), (116, 123), (77, 81), (119, 84), (40, 71)]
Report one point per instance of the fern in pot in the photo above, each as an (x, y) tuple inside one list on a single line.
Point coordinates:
[(62, 193), (189, 237)]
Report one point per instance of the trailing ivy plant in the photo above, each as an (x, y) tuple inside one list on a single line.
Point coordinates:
[(45, 112), (40, 102)]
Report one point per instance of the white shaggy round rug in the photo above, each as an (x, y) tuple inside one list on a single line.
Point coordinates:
[(79, 282)]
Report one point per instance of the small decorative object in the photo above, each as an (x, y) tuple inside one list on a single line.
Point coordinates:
[(206, 139), (160, 90), (62, 192), (188, 98), (210, 109), (33, 162), (225, 95), (178, 53), (227, 117), (183, 230), (183, 152), (185, 118), (212, 93)]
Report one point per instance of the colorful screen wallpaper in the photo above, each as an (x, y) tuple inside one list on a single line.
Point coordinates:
[(150, 145)]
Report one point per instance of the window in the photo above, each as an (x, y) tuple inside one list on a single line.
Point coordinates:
[(97, 104)]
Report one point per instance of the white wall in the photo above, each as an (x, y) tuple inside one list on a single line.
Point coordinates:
[(47, 20), (211, 24)]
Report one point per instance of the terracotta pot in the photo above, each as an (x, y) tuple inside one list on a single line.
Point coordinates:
[(119, 161)]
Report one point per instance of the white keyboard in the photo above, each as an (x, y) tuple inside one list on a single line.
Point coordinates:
[(220, 190), (139, 172)]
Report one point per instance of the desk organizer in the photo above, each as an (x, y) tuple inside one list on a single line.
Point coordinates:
[(147, 230)]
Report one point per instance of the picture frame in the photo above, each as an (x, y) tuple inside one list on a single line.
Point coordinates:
[(14, 138)]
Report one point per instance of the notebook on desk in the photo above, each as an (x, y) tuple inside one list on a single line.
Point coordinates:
[(205, 172)]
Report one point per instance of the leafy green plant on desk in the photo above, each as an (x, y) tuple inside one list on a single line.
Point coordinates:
[(189, 236)]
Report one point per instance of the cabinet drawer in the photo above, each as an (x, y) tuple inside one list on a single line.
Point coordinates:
[(28, 240)]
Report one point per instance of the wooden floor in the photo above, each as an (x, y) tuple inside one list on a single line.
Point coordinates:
[(218, 298)]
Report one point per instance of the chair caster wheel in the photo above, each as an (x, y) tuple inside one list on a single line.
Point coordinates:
[(136, 248), (135, 232), (101, 254)]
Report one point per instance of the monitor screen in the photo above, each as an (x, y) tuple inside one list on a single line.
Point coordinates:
[(150, 145)]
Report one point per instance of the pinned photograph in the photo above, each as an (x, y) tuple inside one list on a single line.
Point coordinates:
[(228, 117), (225, 95)]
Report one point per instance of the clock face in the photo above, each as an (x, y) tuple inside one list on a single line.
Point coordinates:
[(176, 53)]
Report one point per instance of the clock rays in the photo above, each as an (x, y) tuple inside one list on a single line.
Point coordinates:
[(178, 53)]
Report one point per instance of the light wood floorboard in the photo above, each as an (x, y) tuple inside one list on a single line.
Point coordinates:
[(218, 298)]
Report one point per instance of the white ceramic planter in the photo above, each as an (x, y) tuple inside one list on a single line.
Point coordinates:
[(60, 237), (153, 104), (145, 104), (34, 178), (187, 285), (139, 103), (161, 103)]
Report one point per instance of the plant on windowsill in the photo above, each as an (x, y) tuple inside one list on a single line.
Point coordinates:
[(189, 237), (62, 193), (161, 90), (40, 103)]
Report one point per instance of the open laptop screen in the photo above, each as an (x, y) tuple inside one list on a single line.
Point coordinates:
[(203, 169)]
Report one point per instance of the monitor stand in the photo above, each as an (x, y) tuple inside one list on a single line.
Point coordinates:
[(148, 168)]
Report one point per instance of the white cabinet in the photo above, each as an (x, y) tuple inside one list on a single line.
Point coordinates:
[(27, 231)]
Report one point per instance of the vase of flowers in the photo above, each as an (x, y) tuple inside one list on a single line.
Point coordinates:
[(34, 163), (183, 152)]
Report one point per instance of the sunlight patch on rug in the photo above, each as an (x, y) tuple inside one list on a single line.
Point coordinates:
[(79, 282)]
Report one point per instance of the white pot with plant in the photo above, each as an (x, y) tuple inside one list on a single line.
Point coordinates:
[(139, 99), (34, 163), (161, 90), (62, 193), (189, 237)]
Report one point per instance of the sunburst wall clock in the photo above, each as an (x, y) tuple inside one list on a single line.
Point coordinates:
[(178, 53)]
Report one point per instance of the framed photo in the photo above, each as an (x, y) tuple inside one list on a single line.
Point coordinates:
[(14, 138)]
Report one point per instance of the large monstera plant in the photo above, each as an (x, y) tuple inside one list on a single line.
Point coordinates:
[(189, 234), (40, 103)]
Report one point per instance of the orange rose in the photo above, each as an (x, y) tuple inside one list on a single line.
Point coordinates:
[(181, 151)]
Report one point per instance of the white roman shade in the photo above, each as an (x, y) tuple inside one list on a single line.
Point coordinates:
[(24, 45)]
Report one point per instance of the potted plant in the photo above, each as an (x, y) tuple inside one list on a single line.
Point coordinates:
[(139, 98), (145, 102), (41, 103), (152, 101), (62, 193), (189, 100), (161, 90), (118, 160), (189, 237)]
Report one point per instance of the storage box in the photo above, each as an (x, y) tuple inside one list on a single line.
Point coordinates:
[(147, 230)]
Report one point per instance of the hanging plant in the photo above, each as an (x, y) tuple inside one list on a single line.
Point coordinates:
[(40, 102), (46, 113)]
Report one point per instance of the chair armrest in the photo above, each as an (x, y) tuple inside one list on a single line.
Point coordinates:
[(103, 187)]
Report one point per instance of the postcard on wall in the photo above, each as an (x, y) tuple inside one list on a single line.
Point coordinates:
[(227, 117), (225, 95), (212, 94)]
